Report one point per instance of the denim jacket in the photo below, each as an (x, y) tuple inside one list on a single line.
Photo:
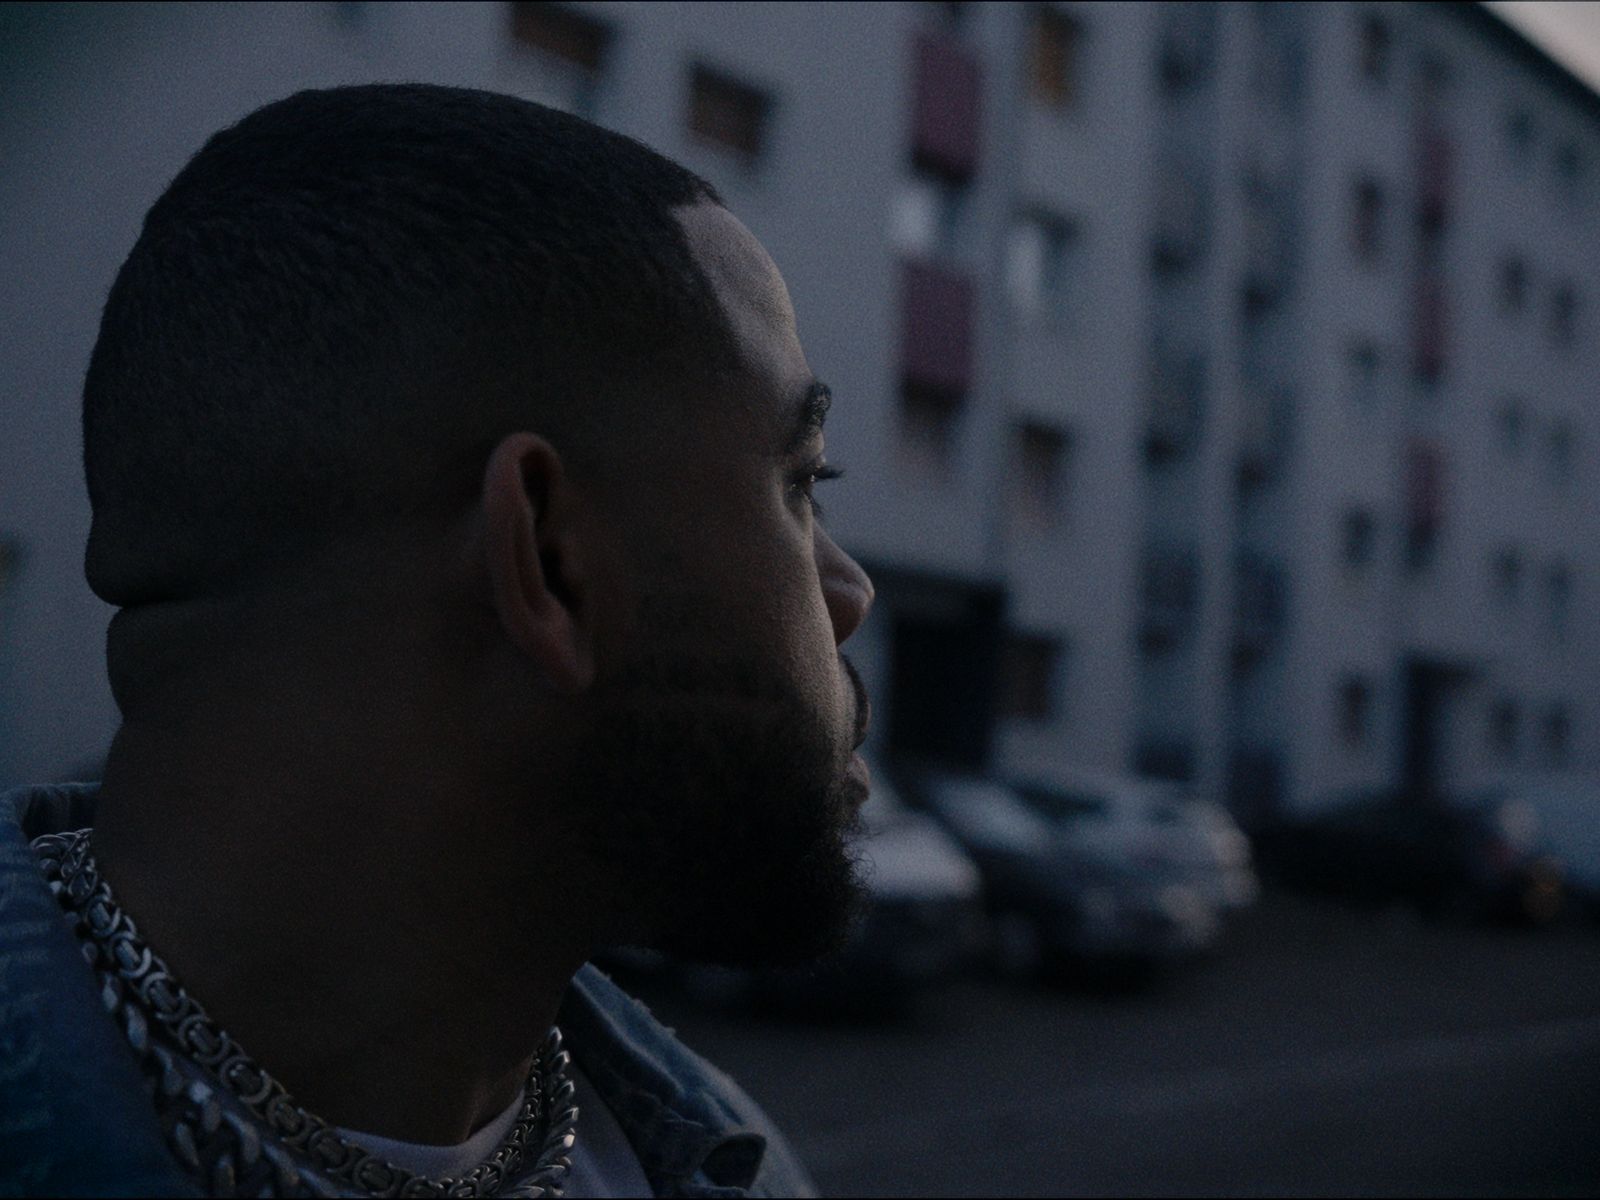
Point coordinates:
[(75, 1118)]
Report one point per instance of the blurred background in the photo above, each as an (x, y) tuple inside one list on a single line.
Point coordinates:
[(1217, 387)]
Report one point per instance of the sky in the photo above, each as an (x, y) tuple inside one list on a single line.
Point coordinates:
[(1568, 30)]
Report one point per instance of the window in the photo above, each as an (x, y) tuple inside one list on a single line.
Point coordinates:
[(1557, 734), (1520, 136), (1364, 362), (928, 218), (562, 33), (1367, 220), (727, 113), (1355, 712), (1186, 50), (1177, 402), (1425, 502), (1039, 261), (1433, 77), (1375, 42), (1277, 55), (1436, 167), (1504, 719), (1358, 537), (351, 14), (1030, 665), (1562, 446), (950, 14), (928, 421), (1512, 419), (1053, 68), (1564, 315), (11, 556), (1558, 597), (1268, 244), (1513, 284), (1569, 169), (1039, 474), (1169, 595), (1182, 216), (1506, 569)]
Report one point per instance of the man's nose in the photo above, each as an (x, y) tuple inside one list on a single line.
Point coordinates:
[(846, 588)]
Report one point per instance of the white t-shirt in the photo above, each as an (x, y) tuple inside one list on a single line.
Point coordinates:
[(603, 1163)]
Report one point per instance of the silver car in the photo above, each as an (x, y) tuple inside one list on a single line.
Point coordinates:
[(1153, 825), (1052, 902)]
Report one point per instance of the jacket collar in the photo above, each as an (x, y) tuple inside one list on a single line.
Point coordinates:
[(672, 1104)]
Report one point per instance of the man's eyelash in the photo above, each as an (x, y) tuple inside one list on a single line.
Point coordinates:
[(810, 477)]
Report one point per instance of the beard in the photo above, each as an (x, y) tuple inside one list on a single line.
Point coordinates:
[(716, 799)]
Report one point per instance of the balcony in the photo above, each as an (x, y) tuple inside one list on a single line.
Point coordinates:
[(1430, 322), (1182, 217), (1268, 246), (1424, 487), (1264, 435), (1260, 592), (1186, 50), (1176, 406), (937, 307), (946, 107), (1169, 597), (1435, 168)]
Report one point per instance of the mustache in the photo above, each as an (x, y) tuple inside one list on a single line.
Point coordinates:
[(863, 705)]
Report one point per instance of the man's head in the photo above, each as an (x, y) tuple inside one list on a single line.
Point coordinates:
[(543, 368)]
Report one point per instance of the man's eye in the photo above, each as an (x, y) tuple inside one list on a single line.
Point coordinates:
[(810, 477)]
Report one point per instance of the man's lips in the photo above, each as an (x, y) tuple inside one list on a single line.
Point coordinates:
[(861, 773), (863, 722), (863, 704)]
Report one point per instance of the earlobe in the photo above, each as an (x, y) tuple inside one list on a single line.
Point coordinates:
[(532, 560)]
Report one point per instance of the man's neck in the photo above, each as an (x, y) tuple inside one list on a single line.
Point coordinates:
[(359, 929)]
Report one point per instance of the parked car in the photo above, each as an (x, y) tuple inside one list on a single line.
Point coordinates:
[(1153, 824), (923, 924), (1561, 818), (1053, 903), (1447, 856)]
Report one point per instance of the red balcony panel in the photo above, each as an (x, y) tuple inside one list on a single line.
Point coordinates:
[(1430, 329), (1435, 165), (946, 108), (1425, 465), (936, 337)]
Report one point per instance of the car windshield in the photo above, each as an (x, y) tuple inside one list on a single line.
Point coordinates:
[(1059, 804), (987, 814)]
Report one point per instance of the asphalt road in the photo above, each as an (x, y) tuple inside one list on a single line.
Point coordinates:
[(1324, 1051)]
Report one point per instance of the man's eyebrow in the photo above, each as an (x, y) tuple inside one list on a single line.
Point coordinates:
[(810, 412)]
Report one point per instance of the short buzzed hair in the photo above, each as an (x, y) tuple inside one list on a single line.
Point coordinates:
[(342, 303)]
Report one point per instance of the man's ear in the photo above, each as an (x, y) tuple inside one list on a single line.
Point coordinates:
[(531, 540)]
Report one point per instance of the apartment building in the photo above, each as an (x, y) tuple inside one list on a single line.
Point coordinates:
[(1213, 378)]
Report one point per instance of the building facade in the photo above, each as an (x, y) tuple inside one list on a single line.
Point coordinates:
[(1215, 379)]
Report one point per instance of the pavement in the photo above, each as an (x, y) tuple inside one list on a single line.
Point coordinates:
[(1323, 1051)]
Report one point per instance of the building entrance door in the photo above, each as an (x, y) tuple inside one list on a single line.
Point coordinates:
[(1432, 692), (944, 659)]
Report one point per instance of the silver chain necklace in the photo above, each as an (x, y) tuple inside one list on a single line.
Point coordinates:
[(248, 1137)]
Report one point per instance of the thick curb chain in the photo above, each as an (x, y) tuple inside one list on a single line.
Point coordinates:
[(294, 1153)]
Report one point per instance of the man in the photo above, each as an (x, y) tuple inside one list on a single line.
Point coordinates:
[(452, 467)]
